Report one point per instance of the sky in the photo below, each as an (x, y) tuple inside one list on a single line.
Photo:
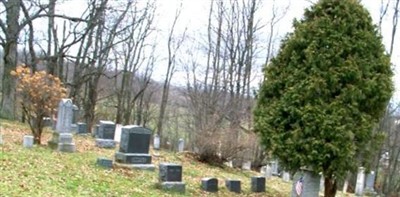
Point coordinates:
[(194, 18)]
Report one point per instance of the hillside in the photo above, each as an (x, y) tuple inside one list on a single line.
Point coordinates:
[(43, 172)]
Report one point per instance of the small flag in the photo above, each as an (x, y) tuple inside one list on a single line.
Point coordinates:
[(299, 186)]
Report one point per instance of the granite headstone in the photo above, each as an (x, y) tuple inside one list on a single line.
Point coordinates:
[(258, 184), (209, 184)]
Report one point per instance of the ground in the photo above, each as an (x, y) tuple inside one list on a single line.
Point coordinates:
[(41, 171)]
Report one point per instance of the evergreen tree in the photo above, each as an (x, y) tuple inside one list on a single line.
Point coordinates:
[(325, 91)]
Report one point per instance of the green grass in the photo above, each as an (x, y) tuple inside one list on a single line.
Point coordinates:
[(41, 171)]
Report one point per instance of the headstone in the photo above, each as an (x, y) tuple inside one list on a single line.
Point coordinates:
[(370, 183), (1, 139), (64, 116), (106, 130), (75, 114), (170, 177), (229, 164), (246, 165), (275, 168), (134, 147), (233, 185), (65, 143), (105, 134), (322, 183), (47, 121), (118, 131), (286, 176), (28, 141), (209, 184), (156, 142), (104, 162), (95, 133), (63, 123), (181, 145), (305, 184), (81, 128), (258, 184), (360, 182)]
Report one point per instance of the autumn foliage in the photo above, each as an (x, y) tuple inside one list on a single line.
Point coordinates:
[(39, 94)]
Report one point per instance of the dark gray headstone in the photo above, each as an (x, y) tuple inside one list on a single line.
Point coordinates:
[(75, 114), (209, 184), (106, 130), (233, 185), (104, 162), (134, 139), (82, 127), (170, 172), (132, 158), (258, 184)]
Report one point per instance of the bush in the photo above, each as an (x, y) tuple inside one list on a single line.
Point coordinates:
[(39, 94)]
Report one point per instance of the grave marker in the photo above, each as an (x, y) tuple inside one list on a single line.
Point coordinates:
[(28, 141), (258, 184), (233, 185), (209, 184), (305, 184), (170, 177), (181, 145), (360, 182)]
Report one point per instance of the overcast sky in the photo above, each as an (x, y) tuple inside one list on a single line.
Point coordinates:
[(195, 14)]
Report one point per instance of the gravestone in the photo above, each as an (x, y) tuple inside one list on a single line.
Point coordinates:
[(369, 183), (305, 184), (246, 165), (170, 177), (275, 168), (209, 184), (47, 122), (258, 184), (95, 133), (1, 139), (64, 116), (81, 128), (65, 143), (229, 164), (286, 176), (181, 145), (360, 182), (63, 123), (134, 148), (104, 162), (156, 142), (322, 183), (28, 141), (118, 131), (233, 185), (105, 134)]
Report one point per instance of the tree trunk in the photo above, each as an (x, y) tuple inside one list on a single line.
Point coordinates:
[(10, 59), (330, 186)]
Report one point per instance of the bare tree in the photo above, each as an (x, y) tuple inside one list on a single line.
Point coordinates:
[(173, 44)]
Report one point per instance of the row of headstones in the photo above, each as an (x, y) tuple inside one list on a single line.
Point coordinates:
[(170, 178)]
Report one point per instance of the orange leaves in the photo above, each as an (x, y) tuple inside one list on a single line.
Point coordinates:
[(38, 91)]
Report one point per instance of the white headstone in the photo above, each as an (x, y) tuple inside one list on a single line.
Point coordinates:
[(64, 116), (28, 141), (118, 130), (156, 142), (181, 145), (274, 167), (286, 176), (370, 182), (322, 183), (246, 165), (229, 164), (360, 182)]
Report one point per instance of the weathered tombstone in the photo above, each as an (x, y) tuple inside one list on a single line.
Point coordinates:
[(63, 123), (105, 134), (81, 128), (360, 182), (104, 162), (28, 141), (170, 177), (134, 148), (181, 145), (322, 183), (275, 168), (258, 184), (246, 165), (65, 143), (118, 131), (286, 176), (305, 184), (156, 142), (369, 184), (209, 184), (233, 185), (229, 164), (64, 116)]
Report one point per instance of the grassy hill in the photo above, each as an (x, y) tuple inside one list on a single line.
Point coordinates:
[(41, 171)]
